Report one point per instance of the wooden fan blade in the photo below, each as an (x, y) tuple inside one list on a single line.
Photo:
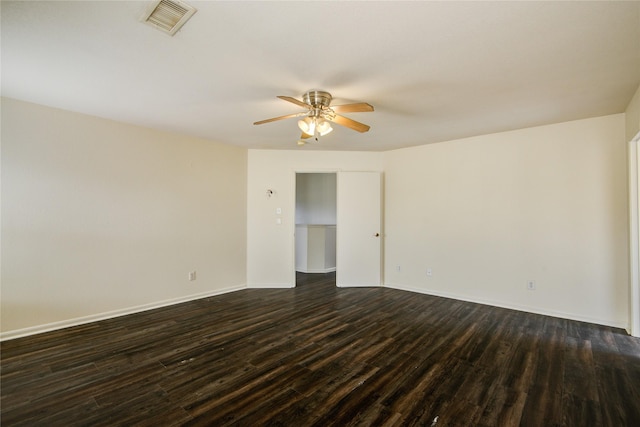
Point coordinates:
[(305, 136), (352, 124), (359, 107), (288, 116), (295, 101)]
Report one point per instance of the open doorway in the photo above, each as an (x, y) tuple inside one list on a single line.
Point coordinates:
[(316, 216)]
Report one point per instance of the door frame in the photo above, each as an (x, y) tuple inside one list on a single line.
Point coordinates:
[(634, 235)]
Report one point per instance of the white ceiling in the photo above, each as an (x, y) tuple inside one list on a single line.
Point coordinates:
[(434, 71)]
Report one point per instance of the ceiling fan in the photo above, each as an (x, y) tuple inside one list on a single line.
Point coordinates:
[(319, 113)]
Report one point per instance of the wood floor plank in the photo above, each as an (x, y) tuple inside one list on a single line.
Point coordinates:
[(319, 355), (543, 407)]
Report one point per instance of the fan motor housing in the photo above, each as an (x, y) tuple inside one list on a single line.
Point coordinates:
[(317, 98)]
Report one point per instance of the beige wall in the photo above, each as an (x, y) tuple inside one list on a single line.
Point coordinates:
[(101, 218), (632, 116), (270, 247), (489, 213)]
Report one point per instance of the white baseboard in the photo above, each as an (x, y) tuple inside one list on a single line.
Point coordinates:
[(18, 333), (33, 330), (552, 313), (317, 270), (271, 286)]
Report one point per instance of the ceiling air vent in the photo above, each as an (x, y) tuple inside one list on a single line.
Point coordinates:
[(168, 15)]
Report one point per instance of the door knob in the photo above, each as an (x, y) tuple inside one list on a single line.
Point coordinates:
[(376, 235)]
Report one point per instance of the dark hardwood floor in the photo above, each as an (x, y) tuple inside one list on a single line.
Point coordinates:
[(319, 355)]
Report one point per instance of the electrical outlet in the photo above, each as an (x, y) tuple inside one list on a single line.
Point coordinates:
[(531, 285), (192, 276), (398, 268), (429, 272)]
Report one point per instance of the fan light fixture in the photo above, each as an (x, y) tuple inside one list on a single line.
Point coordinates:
[(314, 126)]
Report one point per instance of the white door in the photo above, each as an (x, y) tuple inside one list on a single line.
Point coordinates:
[(359, 233)]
